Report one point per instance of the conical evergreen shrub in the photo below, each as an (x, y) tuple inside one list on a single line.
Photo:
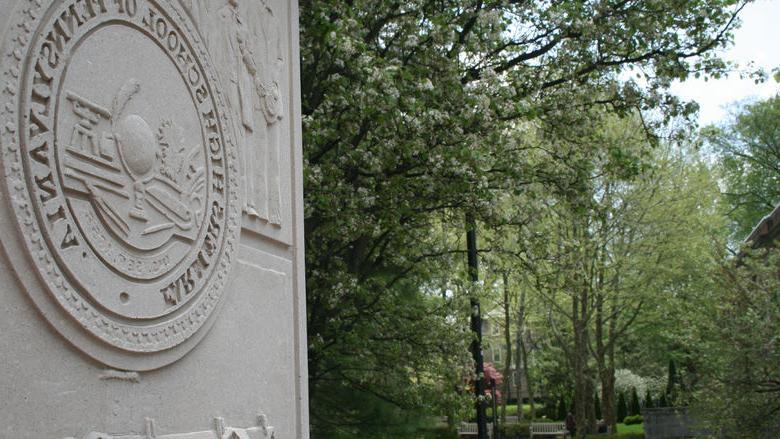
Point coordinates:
[(634, 409), (649, 400), (622, 407)]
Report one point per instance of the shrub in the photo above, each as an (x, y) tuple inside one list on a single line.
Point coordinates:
[(622, 407), (634, 409), (617, 436), (442, 432), (516, 431), (633, 420), (562, 412), (648, 400)]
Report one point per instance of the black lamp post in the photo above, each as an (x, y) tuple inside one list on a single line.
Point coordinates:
[(476, 327)]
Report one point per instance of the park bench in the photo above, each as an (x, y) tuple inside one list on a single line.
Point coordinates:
[(557, 429), (469, 430)]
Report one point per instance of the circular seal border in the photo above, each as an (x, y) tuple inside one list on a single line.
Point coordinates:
[(123, 346)]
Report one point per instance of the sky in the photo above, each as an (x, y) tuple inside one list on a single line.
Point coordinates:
[(755, 41)]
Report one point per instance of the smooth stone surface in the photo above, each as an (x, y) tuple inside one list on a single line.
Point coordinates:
[(151, 221)]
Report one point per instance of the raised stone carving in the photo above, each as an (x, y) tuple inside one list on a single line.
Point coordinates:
[(120, 168), (244, 40), (221, 431)]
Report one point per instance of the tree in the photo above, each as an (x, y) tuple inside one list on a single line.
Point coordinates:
[(634, 408), (662, 402), (627, 243), (671, 382), (648, 402), (492, 375), (508, 356), (690, 217), (748, 151), (741, 347), (411, 114), (622, 407)]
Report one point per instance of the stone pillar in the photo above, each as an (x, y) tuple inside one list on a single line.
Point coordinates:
[(151, 220)]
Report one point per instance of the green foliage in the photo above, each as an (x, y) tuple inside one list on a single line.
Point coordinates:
[(435, 433), (417, 113), (633, 420), (648, 402), (622, 407), (672, 381), (617, 436), (550, 409), (741, 347), (562, 411), (405, 423), (747, 148), (662, 402), (634, 407), (516, 431)]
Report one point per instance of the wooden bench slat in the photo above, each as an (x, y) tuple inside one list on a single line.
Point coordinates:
[(470, 429)]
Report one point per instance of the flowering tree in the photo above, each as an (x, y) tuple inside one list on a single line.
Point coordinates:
[(492, 375), (413, 116)]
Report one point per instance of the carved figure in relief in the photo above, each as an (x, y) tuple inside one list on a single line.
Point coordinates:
[(248, 55), (269, 108), (114, 157)]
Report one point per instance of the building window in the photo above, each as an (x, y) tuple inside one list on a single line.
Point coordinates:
[(496, 355)]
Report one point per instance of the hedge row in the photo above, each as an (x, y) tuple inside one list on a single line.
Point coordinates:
[(518, 431), (617, 436)]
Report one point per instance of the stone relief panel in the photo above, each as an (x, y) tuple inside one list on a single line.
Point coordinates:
[(221, 431), (246, 43), (121, 173)]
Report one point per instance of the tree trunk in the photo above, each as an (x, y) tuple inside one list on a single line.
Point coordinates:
[(606, 372), (581, 288), (610, 372), (579, 326), (522, 357), (528, 383), (508, 357), (608, 397)]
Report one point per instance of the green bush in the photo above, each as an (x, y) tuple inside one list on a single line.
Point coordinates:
[(617, 436), (633, 420), (516, 431), (442, 432), (562, 412)]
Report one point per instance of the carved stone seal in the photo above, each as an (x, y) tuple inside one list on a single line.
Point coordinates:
[(120, 173)]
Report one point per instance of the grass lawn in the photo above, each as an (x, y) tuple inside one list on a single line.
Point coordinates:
[(636, 428)]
